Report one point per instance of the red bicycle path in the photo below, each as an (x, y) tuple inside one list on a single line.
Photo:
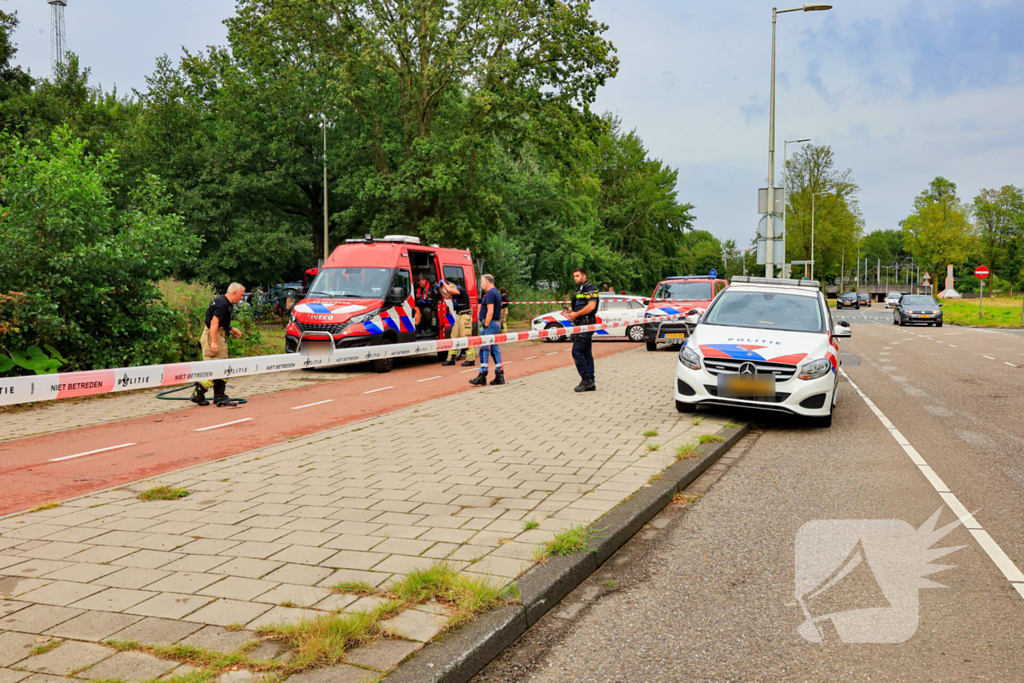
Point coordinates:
[(169, 441)]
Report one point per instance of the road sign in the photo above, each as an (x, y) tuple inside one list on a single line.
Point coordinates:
[(713, 273), (762, 200), (800, 263), (981, 272), (779, 228)]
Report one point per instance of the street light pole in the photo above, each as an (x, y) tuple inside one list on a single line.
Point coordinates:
[(327, 248), (769, 261)]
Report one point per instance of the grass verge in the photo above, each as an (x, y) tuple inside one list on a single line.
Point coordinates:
[(163, 493), (46, 506), (994, 312)]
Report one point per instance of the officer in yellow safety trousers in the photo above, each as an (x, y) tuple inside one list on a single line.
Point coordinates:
[(215, 342)]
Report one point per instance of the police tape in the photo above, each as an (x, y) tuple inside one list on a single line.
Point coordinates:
[(15, 390)]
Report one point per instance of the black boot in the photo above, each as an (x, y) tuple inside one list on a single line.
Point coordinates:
[(480, 380), (469, 363), (499, 378), (199, 396), (448, 362), (220, 398), (586, 385)]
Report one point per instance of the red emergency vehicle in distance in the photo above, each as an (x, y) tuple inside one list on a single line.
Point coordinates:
[(363, 295), (678, 295)]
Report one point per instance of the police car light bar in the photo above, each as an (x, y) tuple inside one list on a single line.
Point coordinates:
[(746, 279)]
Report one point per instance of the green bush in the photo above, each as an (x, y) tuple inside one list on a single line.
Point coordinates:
[(188, 302), (76, 272)]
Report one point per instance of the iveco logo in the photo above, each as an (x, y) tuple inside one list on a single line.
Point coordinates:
[(322, 317), (748, 369)]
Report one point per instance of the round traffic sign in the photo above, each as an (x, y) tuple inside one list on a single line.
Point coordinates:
[(981, 272), (713, 273)]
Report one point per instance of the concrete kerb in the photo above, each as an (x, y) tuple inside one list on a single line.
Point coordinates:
[(459, 656)]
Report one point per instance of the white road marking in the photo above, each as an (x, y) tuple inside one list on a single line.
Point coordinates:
[(463, 372), (1010, 364), (989, 357), (310, 405), (553, 353), (98, 450), (226, 424), (953, 346), (1012, 573), (428, 379), (374, 391), (531, 358)]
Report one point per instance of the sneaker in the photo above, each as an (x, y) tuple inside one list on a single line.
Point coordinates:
[(499, 378), (479, 381), (447, 362), (469, 364)]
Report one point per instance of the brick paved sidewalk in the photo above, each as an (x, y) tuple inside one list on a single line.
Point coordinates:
[(265, 534)]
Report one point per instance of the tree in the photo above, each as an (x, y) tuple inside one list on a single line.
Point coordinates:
[(837, 220), (14, 80), (435, 83), (937, 232), (999, 215), (76, 270)]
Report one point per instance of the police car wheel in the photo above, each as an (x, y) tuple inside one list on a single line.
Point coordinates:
[(552, 340), (684, 407), (635, 333)]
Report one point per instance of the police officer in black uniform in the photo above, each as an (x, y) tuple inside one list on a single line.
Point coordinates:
[(584, 312)]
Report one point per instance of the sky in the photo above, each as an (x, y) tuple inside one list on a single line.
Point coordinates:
[(902, 90)]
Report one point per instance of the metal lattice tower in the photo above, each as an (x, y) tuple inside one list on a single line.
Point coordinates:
[(58, 38)]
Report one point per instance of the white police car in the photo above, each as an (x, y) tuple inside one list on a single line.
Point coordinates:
[(611, 307), (765, 344)]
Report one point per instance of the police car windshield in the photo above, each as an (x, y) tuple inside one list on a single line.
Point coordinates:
[(766, 311), (683, 291), (351, 283)]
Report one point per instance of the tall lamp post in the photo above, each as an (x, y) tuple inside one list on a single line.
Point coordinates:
[(769, 261), (812, 231)]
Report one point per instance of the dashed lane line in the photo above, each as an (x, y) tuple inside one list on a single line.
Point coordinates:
[(374, 391), (310, 405), (1008, 363), (429, 379), (226, 424), (1012, 573), (98, 450)]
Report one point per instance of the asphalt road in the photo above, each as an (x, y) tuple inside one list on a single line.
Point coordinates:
[(715, 597)]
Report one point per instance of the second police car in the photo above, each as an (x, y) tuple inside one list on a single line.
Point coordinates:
[(611, 307), (764, 344)]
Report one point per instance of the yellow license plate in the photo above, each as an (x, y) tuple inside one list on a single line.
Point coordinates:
[(924, 316), (675, 335)]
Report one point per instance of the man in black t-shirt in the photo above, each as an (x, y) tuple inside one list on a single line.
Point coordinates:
[(215, 341), (584, 312)]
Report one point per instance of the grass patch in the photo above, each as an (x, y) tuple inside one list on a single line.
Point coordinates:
[(710, 438), (697, 420), (46, 647), (163, 493), (46, 506), (442, 583), (610, 583), (687, 451), (573, 540), (323, 640), (530, 524), (686, 498), (201, 658), (653, 447), (730, 425), (355, 588), (1000, 312), (651, 432)]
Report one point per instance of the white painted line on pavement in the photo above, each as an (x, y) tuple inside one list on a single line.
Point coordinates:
[(531, 358), (374, 391), (226, 424), (463, 372), (953, 346), (989, 357), (987, 543), (1010, 364), (553, 353), (310, 405), (428, 379), (98, 450)]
